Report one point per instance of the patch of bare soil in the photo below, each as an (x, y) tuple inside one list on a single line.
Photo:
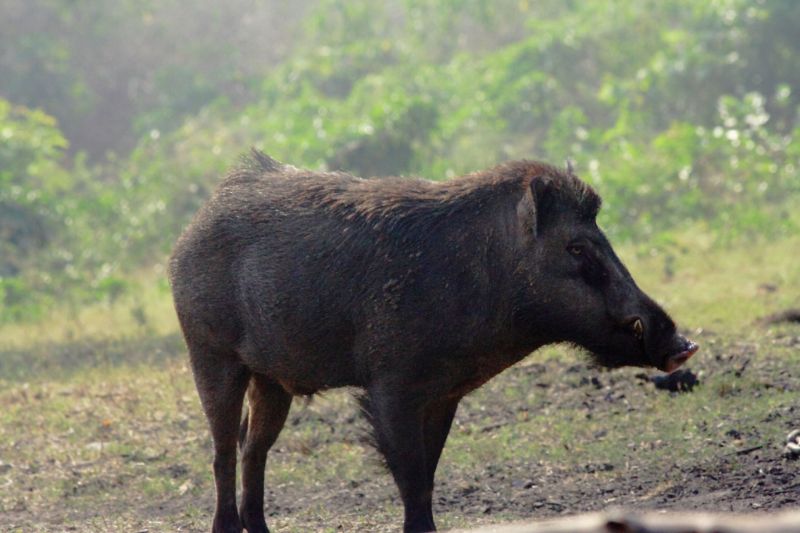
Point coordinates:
[(733, 477), (748, 472), (752, 477)]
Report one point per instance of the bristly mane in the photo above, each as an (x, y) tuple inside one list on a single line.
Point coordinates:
[(570, 190), (252, 166), (395, 203)]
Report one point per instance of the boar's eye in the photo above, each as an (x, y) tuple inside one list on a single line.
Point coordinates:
[(575, 250), (589, 264)]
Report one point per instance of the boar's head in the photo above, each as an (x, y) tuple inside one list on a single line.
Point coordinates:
[(573, 287)]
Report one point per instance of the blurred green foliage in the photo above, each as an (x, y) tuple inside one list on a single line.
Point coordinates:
[(679, 112)]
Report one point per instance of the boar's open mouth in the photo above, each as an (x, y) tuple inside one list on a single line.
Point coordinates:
[(673, 362)]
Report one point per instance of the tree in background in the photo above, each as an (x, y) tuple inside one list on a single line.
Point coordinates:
[(681, 112)]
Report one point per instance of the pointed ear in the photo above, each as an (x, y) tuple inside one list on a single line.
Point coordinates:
[(532, 205), (526, 210)]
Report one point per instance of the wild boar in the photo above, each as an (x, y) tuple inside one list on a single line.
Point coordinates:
[(289, 282)]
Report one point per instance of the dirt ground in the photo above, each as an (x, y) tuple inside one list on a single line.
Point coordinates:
[(551, 436), (742, 474)]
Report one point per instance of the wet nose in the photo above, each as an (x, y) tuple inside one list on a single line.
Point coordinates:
[(685, 350)]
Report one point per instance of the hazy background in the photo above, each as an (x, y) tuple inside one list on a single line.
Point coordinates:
[(118, 118)]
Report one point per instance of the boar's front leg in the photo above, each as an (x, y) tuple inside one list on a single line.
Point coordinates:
[(397, 419), (438, 419)]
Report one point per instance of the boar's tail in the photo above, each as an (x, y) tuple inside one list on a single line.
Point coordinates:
[(243, 427)]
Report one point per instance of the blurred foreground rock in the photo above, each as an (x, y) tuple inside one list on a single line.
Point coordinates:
[(622, 522)]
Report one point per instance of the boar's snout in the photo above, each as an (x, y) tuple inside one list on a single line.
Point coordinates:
[(659, 341), (682, 350), (663, 345)]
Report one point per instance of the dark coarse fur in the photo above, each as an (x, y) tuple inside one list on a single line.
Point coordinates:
[(289, 282)]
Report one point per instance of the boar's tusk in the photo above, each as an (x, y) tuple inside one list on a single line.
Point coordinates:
[(638, 328)]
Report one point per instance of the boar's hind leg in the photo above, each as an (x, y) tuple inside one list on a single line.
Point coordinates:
[(398, 424), (221, 382), (268, 406)]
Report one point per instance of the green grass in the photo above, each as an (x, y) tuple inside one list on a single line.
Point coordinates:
[(145, 310), (105, 432)]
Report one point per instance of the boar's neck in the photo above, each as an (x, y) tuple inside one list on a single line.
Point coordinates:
[(463, 285)]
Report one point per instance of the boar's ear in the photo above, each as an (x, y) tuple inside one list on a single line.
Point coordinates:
[(528, 208)]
